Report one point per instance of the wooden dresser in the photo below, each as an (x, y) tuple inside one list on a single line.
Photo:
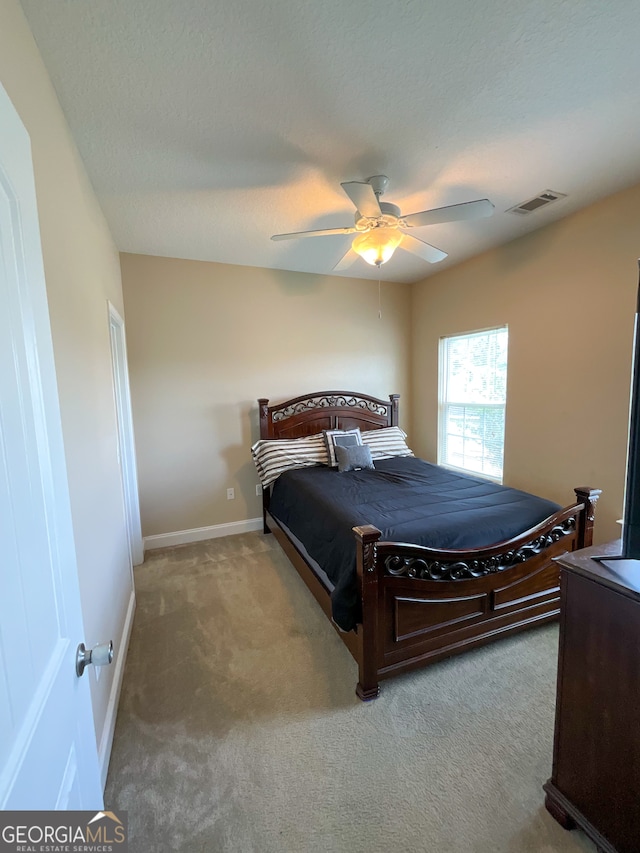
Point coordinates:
[(595, 782)]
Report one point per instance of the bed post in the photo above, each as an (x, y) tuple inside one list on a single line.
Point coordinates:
[(263, 413), (366, 538), (395, 403), (589, 497)]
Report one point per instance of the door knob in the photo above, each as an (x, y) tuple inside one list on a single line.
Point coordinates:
[(101, 655)]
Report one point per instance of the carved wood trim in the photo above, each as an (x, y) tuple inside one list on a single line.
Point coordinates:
[(459, 566), (367, 537), (329, 403), (330, 400)]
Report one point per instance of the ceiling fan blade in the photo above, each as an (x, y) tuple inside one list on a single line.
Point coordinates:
[(346, 260), (364, 198), (425, 250), (320, 233), (454, 213)]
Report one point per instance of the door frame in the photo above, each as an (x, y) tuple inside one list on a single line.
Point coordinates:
[(126, 438)]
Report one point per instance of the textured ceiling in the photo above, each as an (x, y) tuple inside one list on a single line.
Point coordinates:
[(208, 126)]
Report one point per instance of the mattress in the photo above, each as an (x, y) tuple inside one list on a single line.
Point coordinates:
[(409, 500)]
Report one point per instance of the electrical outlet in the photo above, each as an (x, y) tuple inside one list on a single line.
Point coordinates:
[(258, 490), (231, 493)]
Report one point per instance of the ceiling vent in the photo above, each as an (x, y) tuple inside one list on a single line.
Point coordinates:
[(544, 198)]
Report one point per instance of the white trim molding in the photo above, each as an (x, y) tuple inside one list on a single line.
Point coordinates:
[(199, 534), (106, 741), (126, 440)]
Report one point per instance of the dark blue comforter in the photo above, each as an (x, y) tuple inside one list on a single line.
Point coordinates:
[(409, 500)]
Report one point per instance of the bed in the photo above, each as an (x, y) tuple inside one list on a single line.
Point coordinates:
[(413, 603)]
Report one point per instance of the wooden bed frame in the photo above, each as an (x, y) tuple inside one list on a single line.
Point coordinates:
[(421, 604)]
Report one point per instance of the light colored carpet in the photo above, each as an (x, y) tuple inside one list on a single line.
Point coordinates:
[(239, 731)]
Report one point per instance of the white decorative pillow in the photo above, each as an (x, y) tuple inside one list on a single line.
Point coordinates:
[(273, 457), (342, 437), (387, 442)]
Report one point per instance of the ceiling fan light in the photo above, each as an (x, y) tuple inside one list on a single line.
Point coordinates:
[(377, 245)]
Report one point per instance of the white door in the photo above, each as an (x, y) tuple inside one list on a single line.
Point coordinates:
[(48, 753)]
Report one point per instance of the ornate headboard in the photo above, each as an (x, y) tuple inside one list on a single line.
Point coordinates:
[(326, 410)]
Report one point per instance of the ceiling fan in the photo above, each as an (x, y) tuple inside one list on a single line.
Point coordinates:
[(381, 227)]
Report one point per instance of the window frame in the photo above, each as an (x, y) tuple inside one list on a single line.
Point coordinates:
[(443, 404)]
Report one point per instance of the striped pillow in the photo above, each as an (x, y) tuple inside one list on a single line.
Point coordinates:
[(273, 457), (386, 443)]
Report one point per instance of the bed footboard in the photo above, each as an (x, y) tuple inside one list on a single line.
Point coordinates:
[(422, 604)]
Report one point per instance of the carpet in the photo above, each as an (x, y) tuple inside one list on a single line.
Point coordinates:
[(239, 731)]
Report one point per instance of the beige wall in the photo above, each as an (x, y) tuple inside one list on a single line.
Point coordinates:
[(567, 293), (206, 340), (82, 271)]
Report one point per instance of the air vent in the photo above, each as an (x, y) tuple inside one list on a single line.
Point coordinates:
[(538, 201)]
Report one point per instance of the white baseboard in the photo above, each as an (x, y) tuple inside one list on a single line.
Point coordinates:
[(106, 741), (198, 534)]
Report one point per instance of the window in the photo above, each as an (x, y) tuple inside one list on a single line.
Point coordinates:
[(473, 393)]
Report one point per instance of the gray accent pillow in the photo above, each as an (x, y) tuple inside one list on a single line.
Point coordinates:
[(354, 457)]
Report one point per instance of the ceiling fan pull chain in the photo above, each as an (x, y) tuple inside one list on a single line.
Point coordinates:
[(379, 296)]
